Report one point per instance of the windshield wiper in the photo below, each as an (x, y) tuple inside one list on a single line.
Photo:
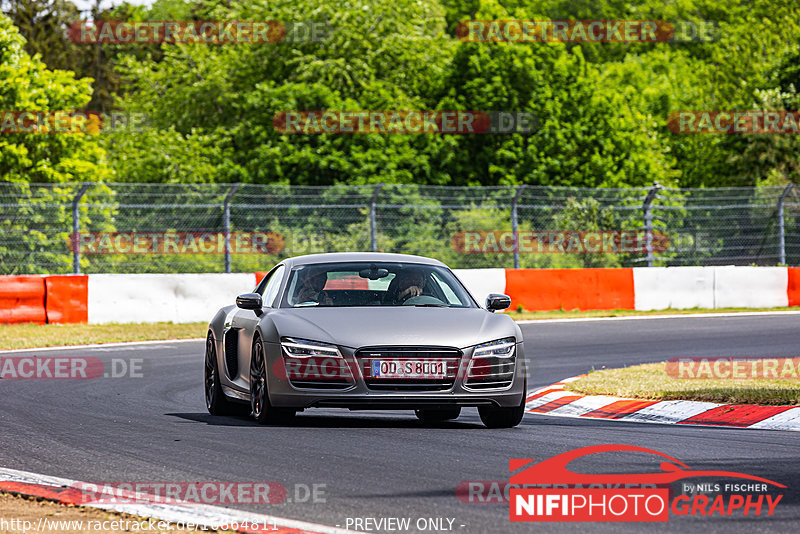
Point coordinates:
[(432, 305)]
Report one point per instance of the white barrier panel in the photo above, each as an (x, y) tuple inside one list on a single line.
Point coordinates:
[(661, 288), (181, 298), (750, 287), (149, 298), (481, 282)]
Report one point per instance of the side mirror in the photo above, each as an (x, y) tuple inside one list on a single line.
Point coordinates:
[(496, 302), (249, 301)]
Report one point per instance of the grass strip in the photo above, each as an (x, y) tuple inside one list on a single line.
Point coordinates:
[(25, 336), (651, 381)]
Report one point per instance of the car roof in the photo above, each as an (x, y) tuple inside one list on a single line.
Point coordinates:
[(338, 257)]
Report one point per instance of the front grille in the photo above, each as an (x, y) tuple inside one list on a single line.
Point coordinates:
[(490, 373), (450, 356)]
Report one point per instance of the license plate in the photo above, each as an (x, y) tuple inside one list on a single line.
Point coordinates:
[(409, 369)]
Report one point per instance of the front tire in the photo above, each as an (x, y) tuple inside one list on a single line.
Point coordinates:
[(261, 409), (501, 417), (494, 417), (438, 416)]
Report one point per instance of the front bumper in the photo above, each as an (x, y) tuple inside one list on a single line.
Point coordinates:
[(359, 396)]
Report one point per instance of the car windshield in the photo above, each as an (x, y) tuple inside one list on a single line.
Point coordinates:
[(374, 284)]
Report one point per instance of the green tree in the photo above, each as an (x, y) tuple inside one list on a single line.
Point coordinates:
[(26, 84), (34, 231)]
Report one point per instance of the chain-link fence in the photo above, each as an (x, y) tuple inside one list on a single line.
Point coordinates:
[(125, 227)]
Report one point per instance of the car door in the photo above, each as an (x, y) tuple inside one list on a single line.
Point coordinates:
[(244, 324)]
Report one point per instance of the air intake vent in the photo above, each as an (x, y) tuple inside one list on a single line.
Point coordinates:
[(232, 352), (490, 373)]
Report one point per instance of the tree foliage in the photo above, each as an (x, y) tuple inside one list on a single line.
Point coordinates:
[(602, 107)]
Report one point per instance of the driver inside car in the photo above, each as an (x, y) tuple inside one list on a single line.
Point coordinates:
[(311, 289), (409, 284)]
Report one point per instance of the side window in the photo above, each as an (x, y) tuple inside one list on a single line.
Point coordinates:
[(273, 285), (264, 281), (451, 297)]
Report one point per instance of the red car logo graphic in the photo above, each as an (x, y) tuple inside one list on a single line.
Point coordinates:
[(554, 470)]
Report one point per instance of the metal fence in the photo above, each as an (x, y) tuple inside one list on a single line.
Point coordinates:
[(123, 227)]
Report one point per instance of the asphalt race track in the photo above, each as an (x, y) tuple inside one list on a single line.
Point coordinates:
[(386, 464)]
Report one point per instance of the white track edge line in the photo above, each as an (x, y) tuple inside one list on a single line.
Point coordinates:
[(103, 345), (173, 513), (665, 316)]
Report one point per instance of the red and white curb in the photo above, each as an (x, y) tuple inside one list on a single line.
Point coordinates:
[(67, 491), (557, 401)]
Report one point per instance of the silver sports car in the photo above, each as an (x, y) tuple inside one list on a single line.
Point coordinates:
[(365, 331)]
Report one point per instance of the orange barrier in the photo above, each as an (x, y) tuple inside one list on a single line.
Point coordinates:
[(793, 289), (569, 289), (22, 299), (347, 282), (67, 299)]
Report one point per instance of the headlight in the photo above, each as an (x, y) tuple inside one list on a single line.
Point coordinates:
[(499, 348), (304, 348)]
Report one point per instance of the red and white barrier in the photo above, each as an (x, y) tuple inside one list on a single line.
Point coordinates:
[(126, 298), (150, 298), (43, 299), (22, 299), (654, 288), (482, 282), (659, 288), (569, 289), (750, 287)]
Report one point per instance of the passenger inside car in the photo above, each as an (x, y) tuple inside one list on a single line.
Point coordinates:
[(311, 288)]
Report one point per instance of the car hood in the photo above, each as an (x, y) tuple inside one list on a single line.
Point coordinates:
[(404, 326)]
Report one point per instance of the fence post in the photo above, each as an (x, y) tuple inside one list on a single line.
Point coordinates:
[(76, 228), (648, 221), (781, 230), (515, 224), (226, 223), (373, 223)]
